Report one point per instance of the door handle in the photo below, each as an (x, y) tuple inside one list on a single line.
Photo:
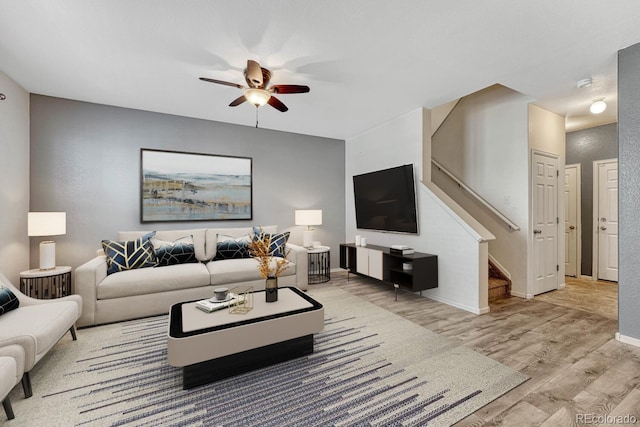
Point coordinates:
[(603, 228), (571, 227), (537, 231)]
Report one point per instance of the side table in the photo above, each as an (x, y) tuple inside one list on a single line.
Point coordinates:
[(46, 284), (319, 264)]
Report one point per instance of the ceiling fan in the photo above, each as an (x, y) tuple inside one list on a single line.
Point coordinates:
[(258, 92)]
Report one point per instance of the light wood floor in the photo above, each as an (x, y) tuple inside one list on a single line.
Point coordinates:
[(595, 297), (575, 364)]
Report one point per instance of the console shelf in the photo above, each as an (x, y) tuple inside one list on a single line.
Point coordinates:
[(415, 272)]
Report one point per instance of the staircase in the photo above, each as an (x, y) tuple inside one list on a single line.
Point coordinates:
[(499, 283)]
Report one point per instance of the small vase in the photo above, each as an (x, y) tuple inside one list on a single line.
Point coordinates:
[(271, 287)]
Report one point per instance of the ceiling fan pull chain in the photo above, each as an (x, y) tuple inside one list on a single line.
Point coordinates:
[(256, 117)]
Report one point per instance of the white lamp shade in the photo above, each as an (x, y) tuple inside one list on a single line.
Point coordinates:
[(309, 217), (46, 223)]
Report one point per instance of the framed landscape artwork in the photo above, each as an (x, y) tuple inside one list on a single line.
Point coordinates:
[(178, 186)]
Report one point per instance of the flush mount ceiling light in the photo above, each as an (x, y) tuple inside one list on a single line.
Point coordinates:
[(598, 106)]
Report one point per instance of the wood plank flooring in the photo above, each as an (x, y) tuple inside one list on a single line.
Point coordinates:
[(599, 297), (575, 364)]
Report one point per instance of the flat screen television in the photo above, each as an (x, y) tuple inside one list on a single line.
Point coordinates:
[(386, 200)]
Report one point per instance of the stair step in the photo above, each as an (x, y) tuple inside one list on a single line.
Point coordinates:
[(499, 288)]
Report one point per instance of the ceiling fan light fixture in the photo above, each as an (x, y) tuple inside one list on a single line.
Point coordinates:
[(598, 106), (257, 97)]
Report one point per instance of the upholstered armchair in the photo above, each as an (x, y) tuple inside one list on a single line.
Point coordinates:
[(37, 325)]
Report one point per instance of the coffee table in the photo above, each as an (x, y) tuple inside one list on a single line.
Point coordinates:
[(212, 346)]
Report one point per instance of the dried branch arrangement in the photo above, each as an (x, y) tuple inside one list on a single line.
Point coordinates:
[(259, 248)]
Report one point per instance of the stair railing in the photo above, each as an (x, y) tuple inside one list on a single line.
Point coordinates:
[(512, 226)]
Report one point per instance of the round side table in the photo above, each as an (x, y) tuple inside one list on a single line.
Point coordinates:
[(319, 270), (46, 284)]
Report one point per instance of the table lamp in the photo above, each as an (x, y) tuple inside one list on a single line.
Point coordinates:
[(308, 217), (47, 224)]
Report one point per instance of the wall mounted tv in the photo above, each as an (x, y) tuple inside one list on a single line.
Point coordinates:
[(386, 200)]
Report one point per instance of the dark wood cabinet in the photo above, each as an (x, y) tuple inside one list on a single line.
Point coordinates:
[(415, 272)]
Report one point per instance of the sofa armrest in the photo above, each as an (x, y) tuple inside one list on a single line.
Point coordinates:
[(87, 278), (298, 255), (28, 345)]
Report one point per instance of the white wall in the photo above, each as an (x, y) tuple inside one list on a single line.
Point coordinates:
[(14, 166), (442, 232), (484, 142)]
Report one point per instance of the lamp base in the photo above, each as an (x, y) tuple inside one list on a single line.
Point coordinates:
[(307, 238), (47, 255)]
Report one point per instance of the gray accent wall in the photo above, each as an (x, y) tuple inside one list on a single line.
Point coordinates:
[(85, 160), (14, 192), (584, 147), (629, 192)]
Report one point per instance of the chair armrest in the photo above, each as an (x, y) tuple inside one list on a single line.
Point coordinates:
[(87, 278), (16, 352), (298, 255), (28, 345)]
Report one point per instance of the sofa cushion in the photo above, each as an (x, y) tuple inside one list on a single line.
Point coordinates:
[(277, 243), (198, 234), (153, 280), (8, 300), (239, 270), (43, 323), (130, 254), (229, 247), (180, 251)]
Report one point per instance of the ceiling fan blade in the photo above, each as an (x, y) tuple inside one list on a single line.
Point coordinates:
[(238, 101), (220, 82), (289, 89), (254, 73), (277, 104)]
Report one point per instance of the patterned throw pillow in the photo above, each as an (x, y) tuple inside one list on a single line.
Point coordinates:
[(180, 251), (229, 247), (129, 255), (8, 300), (278, 241)]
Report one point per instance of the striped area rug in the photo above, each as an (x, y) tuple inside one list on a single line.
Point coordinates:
[(370, 367)]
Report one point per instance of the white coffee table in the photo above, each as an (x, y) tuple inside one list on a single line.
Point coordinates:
[(212, 346)]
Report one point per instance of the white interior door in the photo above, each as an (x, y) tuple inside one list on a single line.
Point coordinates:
[(571, 220), (607, 221), (544, 171)]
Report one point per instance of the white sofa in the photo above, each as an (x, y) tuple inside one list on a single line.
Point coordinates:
[(151, 291), (11, 370)]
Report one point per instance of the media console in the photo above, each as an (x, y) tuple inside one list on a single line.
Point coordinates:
[(415, 272)]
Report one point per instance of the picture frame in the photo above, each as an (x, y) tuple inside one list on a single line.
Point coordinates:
[(183, 186)]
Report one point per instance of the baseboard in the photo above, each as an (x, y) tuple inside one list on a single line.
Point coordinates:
[(474, 310), (628, 340), (521, 295), (562, 285), (582, 276)]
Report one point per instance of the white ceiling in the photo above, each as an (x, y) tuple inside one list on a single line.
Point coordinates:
[(366, 61)]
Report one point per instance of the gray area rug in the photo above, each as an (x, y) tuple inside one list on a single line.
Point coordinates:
[(370, 367)]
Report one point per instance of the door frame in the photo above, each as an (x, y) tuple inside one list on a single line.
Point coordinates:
[(578, 168), (595, 245), (560, 236)]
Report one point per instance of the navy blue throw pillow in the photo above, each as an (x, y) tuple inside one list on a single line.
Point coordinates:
[(229, 247), (180, 251), (8, 300), (129, 255)]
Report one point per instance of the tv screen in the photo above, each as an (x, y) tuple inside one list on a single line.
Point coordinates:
[(386, 200)]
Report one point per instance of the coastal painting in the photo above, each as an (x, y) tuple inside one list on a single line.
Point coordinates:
[(178, 186)]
